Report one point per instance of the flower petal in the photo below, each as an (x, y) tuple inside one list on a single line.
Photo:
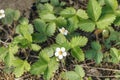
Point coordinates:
[(63, 49), (64, 54), (2, 11), (60, 57), (57, 49), (56, 54)]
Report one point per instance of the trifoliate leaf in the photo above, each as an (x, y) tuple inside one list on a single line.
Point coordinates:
[(49, 72), (82, 14), (78, 53), (20, 67), (113, 4), (39, 25), (79, 70), (50, 29), (78, 41), (94, 10), (68, 12), (105, 21), (87, 25)]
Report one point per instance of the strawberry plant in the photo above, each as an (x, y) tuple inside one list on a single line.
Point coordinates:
[(61, 40)]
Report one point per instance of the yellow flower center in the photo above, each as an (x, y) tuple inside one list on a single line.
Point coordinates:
[(63, 30), (60, 52)]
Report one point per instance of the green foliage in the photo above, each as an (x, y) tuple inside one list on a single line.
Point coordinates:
[(20, 67), (87, 25), (10, 16), (115, 55), (95, 53), (77, 74), (78, 54), (68, 12), (43, 29), (78, 41), (82, 14), (100, 14), (94, 10)]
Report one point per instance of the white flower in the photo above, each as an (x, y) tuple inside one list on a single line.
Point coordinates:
[(60, 53), (63, 31), (2, 13)]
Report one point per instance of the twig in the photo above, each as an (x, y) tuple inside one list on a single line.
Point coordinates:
[(107, 69), (113, 76)]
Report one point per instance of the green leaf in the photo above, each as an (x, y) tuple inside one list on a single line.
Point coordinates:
[(117, 21), (3, 53), (82, 14), (20, 67), (16, 15), (78, 53), (9, 59), (39, 38), (24, 30), (40, 66), (96, 45), (79, 70), (54, 2), (87, 25), (9, 16), (115, 54), (70, 75), (50, 29), (73, 23), (113, 4), (44, 0), (98, 57), (78, 41), (60, 39), (90, 54), (49, 72), (105, 21), (61, 21), (48, 17), (39, 25), (49, 51), (44, 8), (94, 10), (35, 47), (68, 12)]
